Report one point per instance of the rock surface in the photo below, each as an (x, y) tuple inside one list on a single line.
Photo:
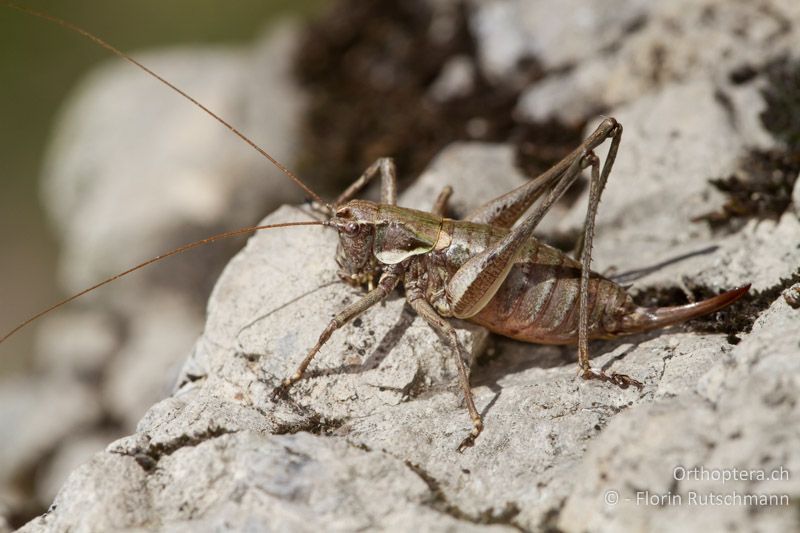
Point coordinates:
[(510, 31), (367, 440), (642, 50)]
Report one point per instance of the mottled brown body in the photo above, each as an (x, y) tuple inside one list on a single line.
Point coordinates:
[(490, 270), (538, 301)]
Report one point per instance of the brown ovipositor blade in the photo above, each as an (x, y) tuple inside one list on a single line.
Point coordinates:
[(647, 318)]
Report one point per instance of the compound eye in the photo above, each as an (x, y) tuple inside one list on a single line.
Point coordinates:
[(351, 228)]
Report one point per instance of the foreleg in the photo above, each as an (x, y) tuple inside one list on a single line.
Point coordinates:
[(386, 285)]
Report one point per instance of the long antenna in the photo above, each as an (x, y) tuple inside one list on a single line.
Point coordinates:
[(126, 57), (184, 248)]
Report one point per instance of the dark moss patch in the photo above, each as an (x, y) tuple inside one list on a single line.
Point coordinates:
[(761, 188), (733, 320), (782, 95), (371, 68), (742, 74)]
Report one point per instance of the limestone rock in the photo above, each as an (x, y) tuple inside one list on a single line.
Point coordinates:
[(669, 42), (745, 423), (380, 413), (477, 172), (72, 453), (557, 34)]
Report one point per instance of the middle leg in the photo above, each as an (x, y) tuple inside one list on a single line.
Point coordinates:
[(383, 166), (440, 205), (444, 328)]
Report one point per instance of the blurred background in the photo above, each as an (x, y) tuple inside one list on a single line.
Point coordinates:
[(39, 65)]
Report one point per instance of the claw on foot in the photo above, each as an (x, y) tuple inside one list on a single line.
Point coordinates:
[(470, 440), (622, 381), (281, 392), (466, 443)]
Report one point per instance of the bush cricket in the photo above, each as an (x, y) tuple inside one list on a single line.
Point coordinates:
[(486, 268)]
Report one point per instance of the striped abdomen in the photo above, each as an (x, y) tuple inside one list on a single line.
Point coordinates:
[(539, 300)]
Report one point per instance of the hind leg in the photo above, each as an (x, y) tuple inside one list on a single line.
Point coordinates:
[(597, 184)]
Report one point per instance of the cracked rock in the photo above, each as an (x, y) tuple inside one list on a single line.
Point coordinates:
[(669, 42), (747, 422), (247, 481)]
